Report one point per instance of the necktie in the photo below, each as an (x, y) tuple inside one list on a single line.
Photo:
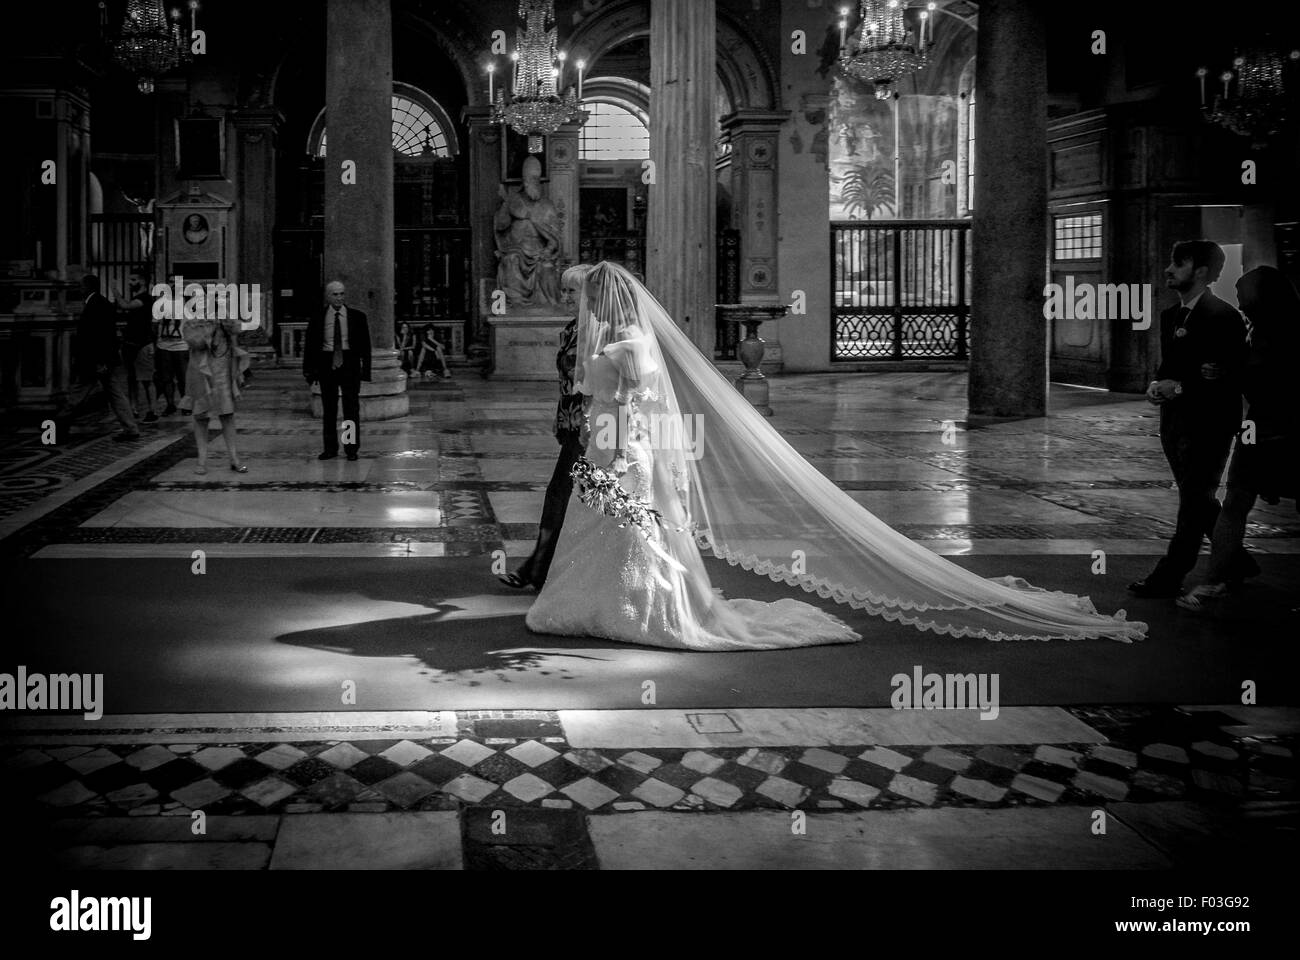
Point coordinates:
[(338, 341)]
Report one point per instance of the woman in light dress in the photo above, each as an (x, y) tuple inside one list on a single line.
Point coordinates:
[(216, 371)]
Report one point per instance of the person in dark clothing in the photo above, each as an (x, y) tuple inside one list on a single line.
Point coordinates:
[(138, 342), (1198, 389), (99, 361), (407, 348), (337, 355), (1263, 462), (570, 424), (431, 359)]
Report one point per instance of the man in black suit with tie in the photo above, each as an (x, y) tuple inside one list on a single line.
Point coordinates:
[(1198, 388), (99, 362), (337, 354)]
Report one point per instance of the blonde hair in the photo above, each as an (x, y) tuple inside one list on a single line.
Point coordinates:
[(576, 273)]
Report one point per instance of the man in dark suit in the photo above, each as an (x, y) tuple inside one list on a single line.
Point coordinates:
[(337, 354), (1198, 388), (99, 361)]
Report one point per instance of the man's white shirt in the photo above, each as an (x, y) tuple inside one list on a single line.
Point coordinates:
[(329, 328)]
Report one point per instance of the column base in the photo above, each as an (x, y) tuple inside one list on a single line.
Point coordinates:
[(756, 391), (384, 397)]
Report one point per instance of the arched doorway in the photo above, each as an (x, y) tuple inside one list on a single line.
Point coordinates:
[(432, 272), (432, 243)]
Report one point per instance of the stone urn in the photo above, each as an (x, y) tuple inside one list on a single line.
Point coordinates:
[(752, 349)]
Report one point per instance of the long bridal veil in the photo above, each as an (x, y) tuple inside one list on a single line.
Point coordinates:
[(751, 499)]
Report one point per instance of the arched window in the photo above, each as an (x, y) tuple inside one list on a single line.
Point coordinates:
[(613, 132), (418, 120)]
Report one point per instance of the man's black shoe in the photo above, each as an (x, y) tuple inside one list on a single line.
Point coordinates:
[(125, 437), (1155, 589), (328, 455), (352, 456)]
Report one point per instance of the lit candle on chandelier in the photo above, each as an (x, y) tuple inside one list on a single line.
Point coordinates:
[(492, 68), (844, 24), (194, 16), (922, 33), (582, 65), (514, 74), (1225, 77), (931, 7), (559, 75), (1201, 74)]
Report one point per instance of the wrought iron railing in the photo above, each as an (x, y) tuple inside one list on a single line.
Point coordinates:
[(119, 244), (899, 290)]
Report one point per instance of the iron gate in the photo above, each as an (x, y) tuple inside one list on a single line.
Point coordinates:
[(899, 289), (119, 244)]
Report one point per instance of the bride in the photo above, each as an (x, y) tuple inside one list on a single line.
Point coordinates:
[(699, 469)]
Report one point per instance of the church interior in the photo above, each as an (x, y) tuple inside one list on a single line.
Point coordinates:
[(856, 210)]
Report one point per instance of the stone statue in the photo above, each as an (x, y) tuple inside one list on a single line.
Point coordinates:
[(528, 232)]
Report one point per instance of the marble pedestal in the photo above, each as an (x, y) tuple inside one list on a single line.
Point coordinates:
[(384, 397), (524, 345), (752, 383)]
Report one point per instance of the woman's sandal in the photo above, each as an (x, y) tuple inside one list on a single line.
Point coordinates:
[(516, 581), (242, 468)]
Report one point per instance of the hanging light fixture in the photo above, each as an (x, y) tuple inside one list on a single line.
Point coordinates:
[(149, 43), (887, 48), (1254, 99), (536, 105)]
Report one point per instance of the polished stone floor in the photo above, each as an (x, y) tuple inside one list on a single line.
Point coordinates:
[(462, 478)]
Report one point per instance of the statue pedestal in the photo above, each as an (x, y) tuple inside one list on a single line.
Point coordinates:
[(384, 397), (752, 384), (524, 345)]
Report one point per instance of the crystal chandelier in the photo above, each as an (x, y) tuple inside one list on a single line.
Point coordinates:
[(536, 107), (1259, 106), (886, 49), (149, 44)]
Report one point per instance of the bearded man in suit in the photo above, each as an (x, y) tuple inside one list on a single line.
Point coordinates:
[(1198, 388)]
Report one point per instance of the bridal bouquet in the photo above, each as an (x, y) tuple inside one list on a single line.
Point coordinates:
[(600, 490)]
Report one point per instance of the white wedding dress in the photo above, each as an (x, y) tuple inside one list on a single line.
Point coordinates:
[(744, 495), (618, 584)]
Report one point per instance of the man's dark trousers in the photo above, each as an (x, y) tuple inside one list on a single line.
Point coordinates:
[(344, 382), (1197, 454)]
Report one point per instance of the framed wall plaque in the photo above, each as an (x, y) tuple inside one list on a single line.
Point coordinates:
[(200, 148)]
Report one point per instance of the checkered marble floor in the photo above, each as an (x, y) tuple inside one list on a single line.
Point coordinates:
[(524, 759)]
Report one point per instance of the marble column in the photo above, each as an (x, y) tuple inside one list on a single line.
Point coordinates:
[(255, 132), (484, 182), (359, 215), (1008, 356), (680, 250)]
